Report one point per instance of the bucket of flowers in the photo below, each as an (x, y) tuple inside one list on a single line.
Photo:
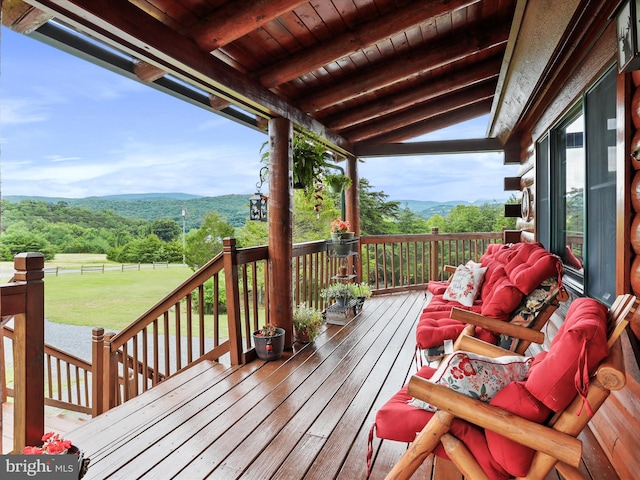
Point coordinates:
[(53, 444), (341, 236)]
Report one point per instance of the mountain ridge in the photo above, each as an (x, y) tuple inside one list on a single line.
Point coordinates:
[(233, 207)]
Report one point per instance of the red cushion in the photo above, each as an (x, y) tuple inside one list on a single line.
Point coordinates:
[(396, 420), (555, 377), (502, 300), (531, 265), (437, 287), (512, 456), (435, 327)]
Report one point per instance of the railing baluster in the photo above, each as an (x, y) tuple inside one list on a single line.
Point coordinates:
[(178, 337), (189, 315)]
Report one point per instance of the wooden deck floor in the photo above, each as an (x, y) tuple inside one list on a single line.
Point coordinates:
[(305, 416)]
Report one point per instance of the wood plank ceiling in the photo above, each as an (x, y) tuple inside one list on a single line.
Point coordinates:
[(356, 71)]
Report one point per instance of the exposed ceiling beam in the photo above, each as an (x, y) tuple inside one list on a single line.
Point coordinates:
[(363, 36), (422, 111), (22, 17), (236, 19), (473, 145), (432, 124), (446, 84), (143, 37), (146, 72), (438, 54)]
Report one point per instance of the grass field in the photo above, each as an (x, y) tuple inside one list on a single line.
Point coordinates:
[(112, 299)]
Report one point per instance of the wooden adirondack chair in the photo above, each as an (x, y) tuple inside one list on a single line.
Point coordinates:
[(522, 336), (555, 443)]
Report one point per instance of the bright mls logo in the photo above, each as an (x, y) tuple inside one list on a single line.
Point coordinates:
[(50, 467)]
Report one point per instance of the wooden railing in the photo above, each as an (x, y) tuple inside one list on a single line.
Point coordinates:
[(401, 262), (190, 324), (67, 379), (23, 300), (179, 331)]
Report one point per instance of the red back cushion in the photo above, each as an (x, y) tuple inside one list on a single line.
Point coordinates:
[(531, 265), (512, 456), (502, 298), (580, 344)]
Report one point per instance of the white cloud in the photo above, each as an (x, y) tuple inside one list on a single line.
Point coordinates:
[(82, 131)]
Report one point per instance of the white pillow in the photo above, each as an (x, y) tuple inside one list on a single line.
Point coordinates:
[(477, 376), (465, 285)]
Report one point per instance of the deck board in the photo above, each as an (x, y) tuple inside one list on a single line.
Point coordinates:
[(307, 415)]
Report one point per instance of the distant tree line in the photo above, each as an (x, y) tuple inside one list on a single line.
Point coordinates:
[(50, 228)]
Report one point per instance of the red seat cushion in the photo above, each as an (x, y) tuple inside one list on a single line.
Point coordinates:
[(556, 376), (435, 327), (398, 421)]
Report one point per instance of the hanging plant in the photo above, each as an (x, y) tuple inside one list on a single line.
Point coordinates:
[(309, 164), (336, 183)]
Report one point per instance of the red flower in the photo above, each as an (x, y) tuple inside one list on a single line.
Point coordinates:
[(53, 445), (340, 226), (466, 367)]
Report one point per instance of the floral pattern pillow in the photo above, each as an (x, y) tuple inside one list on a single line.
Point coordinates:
[(477, 376), (528, 309), (465, 284)]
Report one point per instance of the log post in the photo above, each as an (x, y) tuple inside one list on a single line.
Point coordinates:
[(433, 256), (28, 353), (233, 301), (97, 371), (281, 226), (352, 208)]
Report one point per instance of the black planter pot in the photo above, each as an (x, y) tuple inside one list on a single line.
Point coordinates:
[(269, 348)]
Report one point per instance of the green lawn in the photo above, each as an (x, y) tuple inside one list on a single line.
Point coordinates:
[(112, 299)]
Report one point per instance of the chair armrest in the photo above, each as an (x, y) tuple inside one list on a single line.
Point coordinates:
[(541, 438), (467, 343), (449, 269), (497, 326), (611, 372)]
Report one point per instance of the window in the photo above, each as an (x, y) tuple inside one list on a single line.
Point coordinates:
[(576, 183)]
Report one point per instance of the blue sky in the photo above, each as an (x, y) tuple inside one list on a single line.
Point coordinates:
[(71, 129)]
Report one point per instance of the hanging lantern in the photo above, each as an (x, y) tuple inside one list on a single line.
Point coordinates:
[(258, 207), (258, 201)]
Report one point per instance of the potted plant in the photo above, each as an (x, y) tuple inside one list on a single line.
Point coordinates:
[(360, 291), (340, 292), (53, 444), (308, 160), (337, 182), (269, 342), (341, 236), (306, 323)]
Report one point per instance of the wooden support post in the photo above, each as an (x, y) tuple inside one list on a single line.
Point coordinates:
[(352, 198), (110, 386), (233, 301), (352, 208), (281, 225), (434, 253), (97, 371), (28, 353)]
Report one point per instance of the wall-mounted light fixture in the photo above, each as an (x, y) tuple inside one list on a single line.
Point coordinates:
[(626, 15), (258, 201)]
